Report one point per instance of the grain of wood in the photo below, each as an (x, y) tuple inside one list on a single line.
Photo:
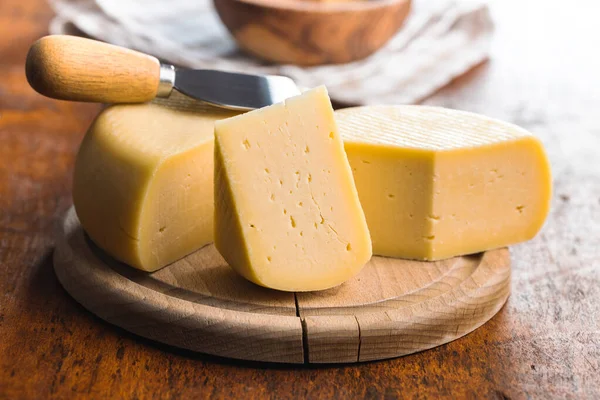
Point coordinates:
[(331, 339), (382, 288), (441, 317), (74, 68), (311, 33), (199, 304), (219, 328), (402, 307), (203, 277)]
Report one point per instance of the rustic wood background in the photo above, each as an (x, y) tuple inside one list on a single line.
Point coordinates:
[(544, 343)]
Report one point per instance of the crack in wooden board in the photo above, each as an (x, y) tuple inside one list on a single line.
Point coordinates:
[(392, 308)]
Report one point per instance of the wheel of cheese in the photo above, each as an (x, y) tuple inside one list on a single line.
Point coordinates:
[(143, 182), (437, 183)]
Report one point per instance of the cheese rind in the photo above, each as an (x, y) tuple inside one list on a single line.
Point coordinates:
[(143, 180), (436, 183), (287, 214)]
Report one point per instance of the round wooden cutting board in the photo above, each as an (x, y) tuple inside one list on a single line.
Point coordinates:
[(392, 308)]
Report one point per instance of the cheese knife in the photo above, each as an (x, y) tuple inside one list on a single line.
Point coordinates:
[(78, 69)]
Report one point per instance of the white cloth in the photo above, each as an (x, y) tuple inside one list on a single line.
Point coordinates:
[(440, 40)]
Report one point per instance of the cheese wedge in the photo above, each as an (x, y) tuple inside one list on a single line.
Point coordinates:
[(436, 183), (143, 184), (287, 214)]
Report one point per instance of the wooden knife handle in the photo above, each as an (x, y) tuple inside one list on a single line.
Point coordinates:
[(73, 68)]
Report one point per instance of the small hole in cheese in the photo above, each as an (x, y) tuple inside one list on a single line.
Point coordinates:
[(162, 229), (331, 135), (269, 258), (307, 149), (267, 170), (348, 247), (292, 221), (246, 144)]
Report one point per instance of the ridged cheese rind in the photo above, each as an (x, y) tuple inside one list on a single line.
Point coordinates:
[(423, 127)]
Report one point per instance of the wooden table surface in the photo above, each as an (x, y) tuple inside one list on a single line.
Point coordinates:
[(544, 75)]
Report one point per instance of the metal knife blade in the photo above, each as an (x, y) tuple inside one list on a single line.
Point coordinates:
[(234, 90)]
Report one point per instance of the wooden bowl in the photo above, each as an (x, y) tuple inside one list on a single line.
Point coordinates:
[(305, 32)]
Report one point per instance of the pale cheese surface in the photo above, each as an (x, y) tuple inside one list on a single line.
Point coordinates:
[(143, 180), (287, 211), (160, 129), (436, 183)]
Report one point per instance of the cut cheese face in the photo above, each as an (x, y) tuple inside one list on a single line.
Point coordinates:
[(143, 184), (436, 183), (287, 214)]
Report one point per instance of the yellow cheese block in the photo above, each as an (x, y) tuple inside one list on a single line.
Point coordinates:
[(143, 184), (287, 214), (436, 183)]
